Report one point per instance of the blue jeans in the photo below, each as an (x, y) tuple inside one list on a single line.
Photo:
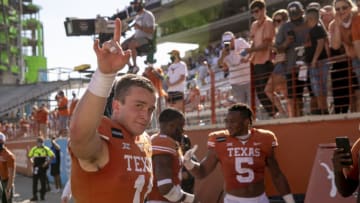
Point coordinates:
[(318, 79)]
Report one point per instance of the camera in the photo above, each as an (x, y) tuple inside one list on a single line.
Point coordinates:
[(291, 33)]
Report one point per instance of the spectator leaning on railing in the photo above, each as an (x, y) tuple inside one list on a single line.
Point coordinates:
[(346, 18), (262, 33)]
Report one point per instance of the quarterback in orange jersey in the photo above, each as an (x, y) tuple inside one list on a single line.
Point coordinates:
[(167, 160), (111, 157), (243, 153)]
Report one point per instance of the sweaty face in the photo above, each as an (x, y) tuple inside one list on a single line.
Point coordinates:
[(136, 112), (236, 124)]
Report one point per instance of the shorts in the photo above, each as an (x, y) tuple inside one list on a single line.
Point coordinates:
[(318, 79), (280, 68), (234, 199), (55, 169), (298, 87), (175, 96), (140, 41)]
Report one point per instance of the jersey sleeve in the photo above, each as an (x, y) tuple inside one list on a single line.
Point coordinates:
[(163, 145)]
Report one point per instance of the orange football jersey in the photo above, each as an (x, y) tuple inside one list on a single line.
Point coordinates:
[(127, 177), (242, 162), (165, 145)]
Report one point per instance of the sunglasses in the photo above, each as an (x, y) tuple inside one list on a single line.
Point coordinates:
[(277, 20), (255, 11), (341, 8)]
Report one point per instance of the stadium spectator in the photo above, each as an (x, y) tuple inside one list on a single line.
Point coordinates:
[(316, 59), (156, 76), (144, 29), (55, 165), (7, 171), (103, 148), (262, 33), (42, 119), (166, 158), (341, 34), (192, 100), (276, 88), (226, 147), (62, 106), (24, 124), (293, 34), (327, 15), (176, 81), (40, 156), (232, 61)]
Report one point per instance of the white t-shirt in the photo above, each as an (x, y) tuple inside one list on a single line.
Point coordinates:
[(145, 19), (176, 70), (239, 73)]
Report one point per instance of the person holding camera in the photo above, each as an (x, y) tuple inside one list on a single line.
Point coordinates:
[(144, 29), (293, 34), (231, 59)]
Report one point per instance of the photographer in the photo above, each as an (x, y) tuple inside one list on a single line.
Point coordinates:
[(144, 29), (232, 59)]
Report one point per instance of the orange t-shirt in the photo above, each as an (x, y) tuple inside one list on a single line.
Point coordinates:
[(126, 178), (63, 106), (7, 160), (260, 32), (242, 163), (355, 27), (164, 145), (42, 116), (156, 81)]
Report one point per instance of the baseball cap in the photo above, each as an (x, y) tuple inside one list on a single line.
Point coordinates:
[(227, 38), (295, 8), (2, 137), (174, 52)]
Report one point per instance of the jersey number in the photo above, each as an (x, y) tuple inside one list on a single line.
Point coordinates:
[(245, 175)]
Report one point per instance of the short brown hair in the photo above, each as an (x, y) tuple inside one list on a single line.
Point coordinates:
[(123, 85), (257, 4)]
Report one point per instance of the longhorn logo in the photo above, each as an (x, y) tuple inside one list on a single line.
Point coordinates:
[(331, 177)]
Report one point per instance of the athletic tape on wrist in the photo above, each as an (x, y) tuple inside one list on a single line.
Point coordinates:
[(189, 198), (100, 84), (289, 198), (175, 194)]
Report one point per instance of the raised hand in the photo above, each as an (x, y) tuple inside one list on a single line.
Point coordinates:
[(110, 57), (187, 161)]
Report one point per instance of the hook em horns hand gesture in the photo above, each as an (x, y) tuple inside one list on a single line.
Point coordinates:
[(110, 57)]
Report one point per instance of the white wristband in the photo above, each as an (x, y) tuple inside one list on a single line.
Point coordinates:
[(289, 198), (190, 164), (101, 84), (189, 198)]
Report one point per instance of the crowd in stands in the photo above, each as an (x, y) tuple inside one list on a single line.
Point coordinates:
[(312, 56)]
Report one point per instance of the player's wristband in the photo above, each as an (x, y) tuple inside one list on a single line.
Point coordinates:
[(189, 198), (101, 84), (288, 198)]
